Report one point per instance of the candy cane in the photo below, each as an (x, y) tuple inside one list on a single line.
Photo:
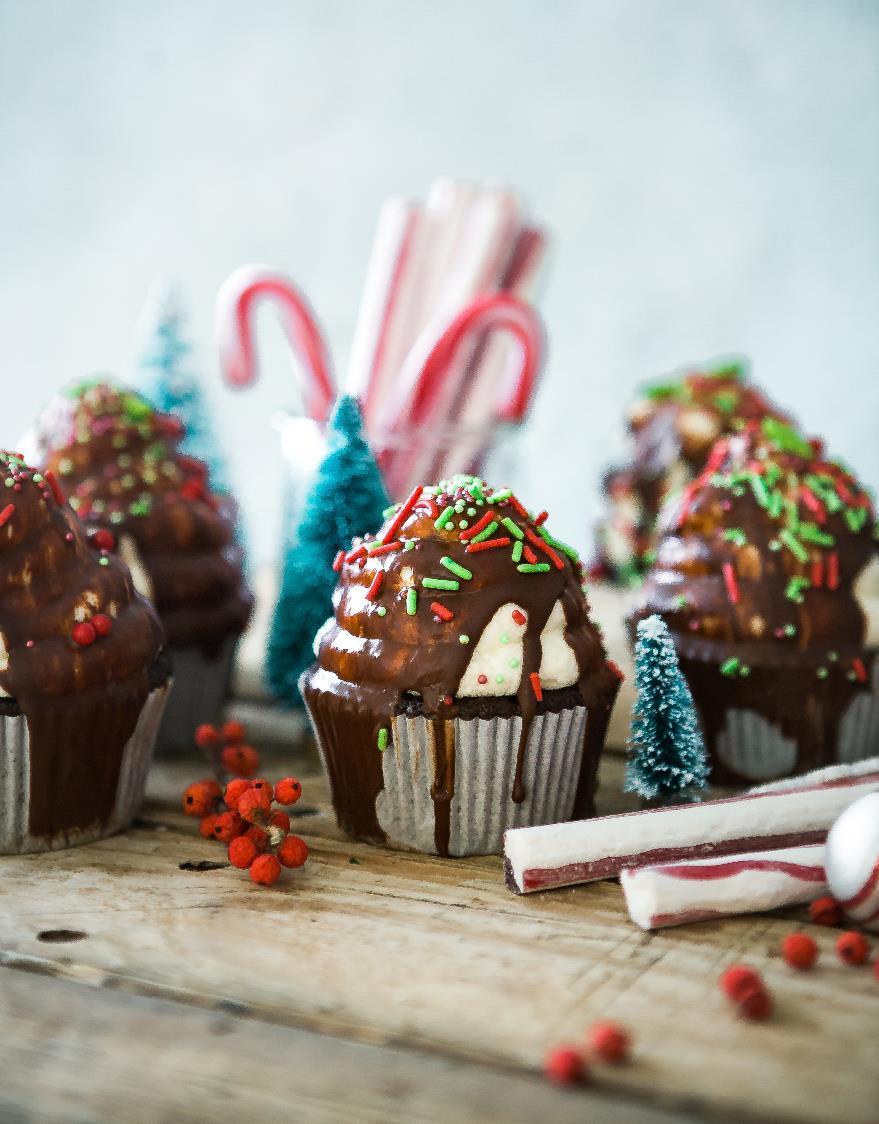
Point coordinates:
[(236, 304)]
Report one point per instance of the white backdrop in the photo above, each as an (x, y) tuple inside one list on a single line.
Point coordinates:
[(710, 171)]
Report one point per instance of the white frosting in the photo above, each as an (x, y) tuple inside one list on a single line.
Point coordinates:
[(698, 426), (867, 596), (130, 555), (495, 667)]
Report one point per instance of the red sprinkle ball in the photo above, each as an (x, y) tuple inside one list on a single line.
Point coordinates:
[(565, 1065), (853, 948), (825, 911), (799, 951), (83, 634), (609, 1041)]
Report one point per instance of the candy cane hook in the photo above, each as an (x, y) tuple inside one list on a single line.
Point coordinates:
[(236, 305)]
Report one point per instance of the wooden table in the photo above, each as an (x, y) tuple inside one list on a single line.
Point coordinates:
[(143, 979)]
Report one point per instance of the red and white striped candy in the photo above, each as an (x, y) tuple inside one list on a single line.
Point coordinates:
[(237, 299), (852, 861)]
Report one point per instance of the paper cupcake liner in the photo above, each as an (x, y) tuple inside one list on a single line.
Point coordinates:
[(482, 806), (15, 781), (201, 686)]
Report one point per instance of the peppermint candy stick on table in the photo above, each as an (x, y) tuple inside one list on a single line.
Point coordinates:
[(701, 889), (540, 858)]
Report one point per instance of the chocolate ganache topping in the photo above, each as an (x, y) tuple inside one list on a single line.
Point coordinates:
[(759, 555), (78, 650), (672, 426), (117, 459), (462, 605)]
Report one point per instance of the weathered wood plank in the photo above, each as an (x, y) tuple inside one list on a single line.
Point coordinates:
[(77, 1053), (391, 948)]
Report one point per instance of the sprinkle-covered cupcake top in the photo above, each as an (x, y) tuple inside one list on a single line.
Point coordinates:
[(463, 593), (117, 460), (764, 548), (71, 622)]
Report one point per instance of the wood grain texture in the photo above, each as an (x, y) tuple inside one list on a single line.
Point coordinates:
[(390, 948)]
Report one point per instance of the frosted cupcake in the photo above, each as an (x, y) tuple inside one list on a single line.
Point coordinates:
[(118, 461), (755, 576), (83, 678), (672, 426), (460, 688)]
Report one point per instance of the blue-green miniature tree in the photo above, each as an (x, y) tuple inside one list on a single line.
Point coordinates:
[(165, 377), (347, 497), (667, 760)]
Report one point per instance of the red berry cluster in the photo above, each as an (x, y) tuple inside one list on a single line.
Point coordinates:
[(225, 748), (244, 815), (747, 989), (604, 1042)]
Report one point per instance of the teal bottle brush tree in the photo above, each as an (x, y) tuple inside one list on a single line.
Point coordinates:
[(667, 759), (347, 497)]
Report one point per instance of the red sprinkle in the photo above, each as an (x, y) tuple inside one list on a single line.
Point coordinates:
[(536, 685), (519, 508), (102, 624), (486, 544), (799, 951), (530, 556), (388, 548), (813, 504), (353, 555), (540, 519), (825, 911), (519, 617), (103, 539), (441, 611), (483, 679), (49, 477), (853, 948), (832, 570), (376, 585), (732, 586), (817, 574), (546, 548), (6, 514), (489, 517), (859, 669), (83, 634), (338, 561), (403, 514)]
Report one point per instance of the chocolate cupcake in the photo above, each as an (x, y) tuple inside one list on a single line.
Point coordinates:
[(83, 678), (460, 688), (118, 461), (672, 427), (754, 575)]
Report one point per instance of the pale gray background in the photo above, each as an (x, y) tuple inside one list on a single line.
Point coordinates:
[(710, 170)]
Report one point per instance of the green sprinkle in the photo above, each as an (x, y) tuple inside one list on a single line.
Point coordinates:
[(730, 666), (504, 494), (822, 673), (513, 528), (517, 551), (774, 544), (505, 639), (790, 630), (458, 570), (103, 561), (759, 489), (463, 524), (463, 639), (389, 511), (563, 546), (412, 602), (459, 507), (855, 517), (471, 511), (8, 481), (726, 401), (535, 568), (409, 544), (793, 515), (381, 610), (794, 546), (795, 587), (383, 738), (440, 583), (498, 679), (486, 532), (735, 535), (744, 670), (445, 515), (812, 533), (514, 663), (833, 656), (786, 438)]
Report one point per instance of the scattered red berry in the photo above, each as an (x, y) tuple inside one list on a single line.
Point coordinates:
[(227, 825), (738, 979), (83, 634), (234, 789), (755, 1003), (564, 1065), (199, 799), (233, 732), (242, 852), (253, 803), (281, 820), (799, 951), (853, 948), (825, 911), (207, 736), (206, 827), (259, 836), (242, 760), (102, 624), (609, 1041), (293, 851), (288, 791), (265, 870)]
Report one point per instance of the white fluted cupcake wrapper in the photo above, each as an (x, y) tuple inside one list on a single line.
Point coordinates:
[(482, 807), (15, 774), (201, 685)]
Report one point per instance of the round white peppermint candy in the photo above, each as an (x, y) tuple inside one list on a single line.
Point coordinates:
[(851, 861)]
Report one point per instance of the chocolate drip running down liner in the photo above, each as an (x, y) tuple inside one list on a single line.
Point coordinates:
[(456, 771)]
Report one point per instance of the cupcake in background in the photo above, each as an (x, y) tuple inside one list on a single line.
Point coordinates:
[(755, 576), (672, 426), (83, 675), (117, 459), (460, 688)]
